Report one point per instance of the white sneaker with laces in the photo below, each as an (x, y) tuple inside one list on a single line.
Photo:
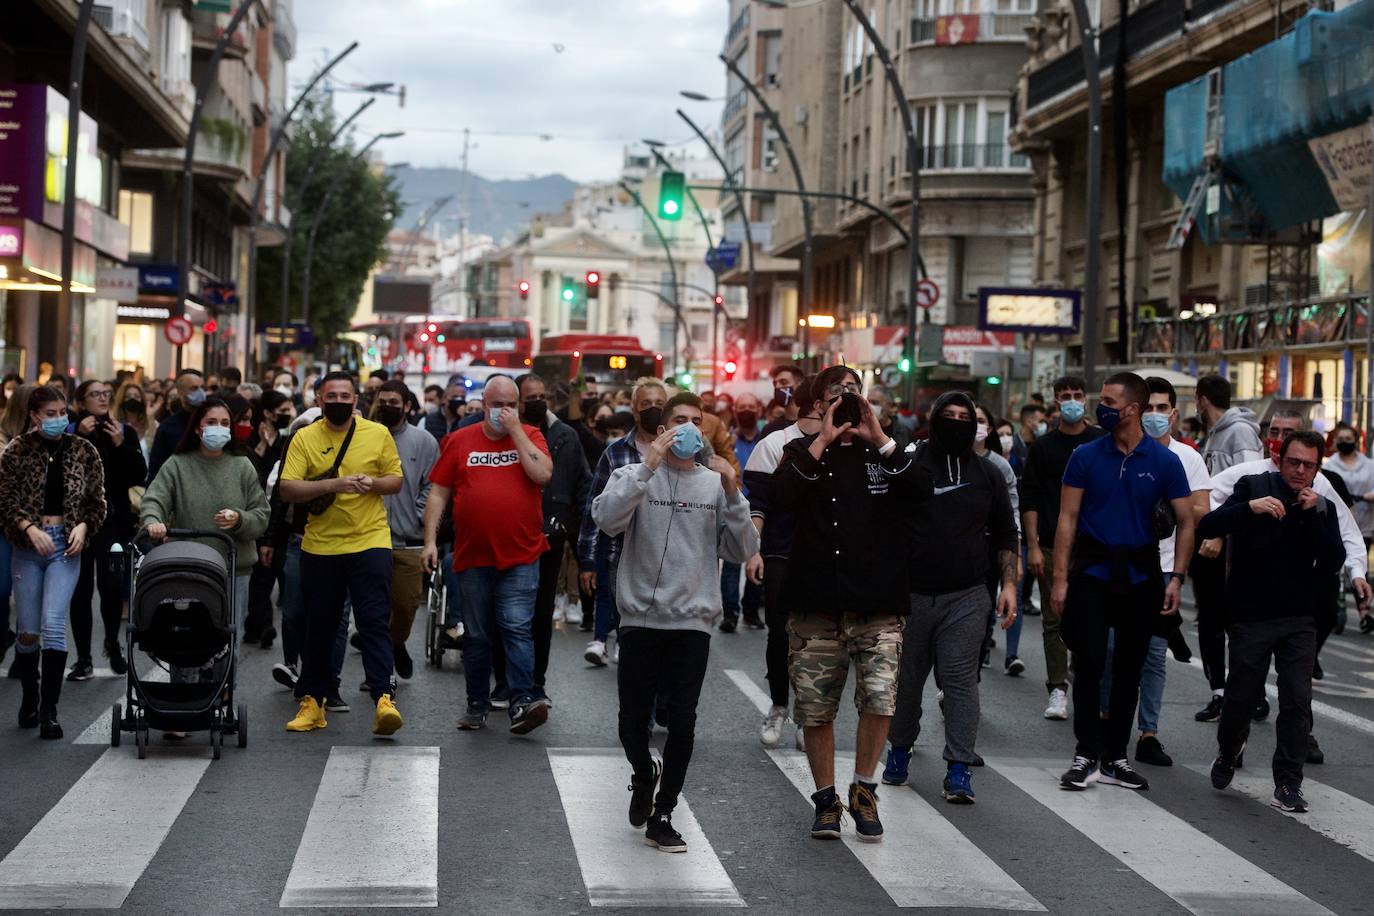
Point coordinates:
[(1059, 705), (771, 733), (572, 614), (596, 653), (558, 610)]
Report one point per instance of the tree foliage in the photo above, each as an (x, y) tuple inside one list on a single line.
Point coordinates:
[(355, 207)]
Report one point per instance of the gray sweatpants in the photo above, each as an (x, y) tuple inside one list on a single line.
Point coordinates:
[(945, 631)]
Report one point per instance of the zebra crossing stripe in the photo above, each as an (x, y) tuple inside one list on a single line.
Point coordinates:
[(1321, 712), (98, 732), (1334, 814), (90, 849), (372, 838), (762, 702), (1202, 875), (617, 867), (923, 860)]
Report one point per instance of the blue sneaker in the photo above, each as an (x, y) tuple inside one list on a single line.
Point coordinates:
[(1288, 797), (898, 760), (958, 785)]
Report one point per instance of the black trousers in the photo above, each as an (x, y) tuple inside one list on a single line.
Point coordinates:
[(364, 578), (1090, 611), (100, 571), (671, 662), (775, 618), (541, 628), (1209, 590), (260, 584), (1292, 642)]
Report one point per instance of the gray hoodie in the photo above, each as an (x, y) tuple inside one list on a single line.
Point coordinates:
[(1234, 440), (677, 524)]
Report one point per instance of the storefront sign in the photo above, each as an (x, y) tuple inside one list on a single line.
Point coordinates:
[(962, 343), (117, 283), (21, 150), (1344, 158), (157, 279), (11, 241), (143, 313), (1031, 311)]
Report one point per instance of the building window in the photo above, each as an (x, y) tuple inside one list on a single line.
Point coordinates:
[(966, 134), (136, 212), (176, 52), (772, 59)]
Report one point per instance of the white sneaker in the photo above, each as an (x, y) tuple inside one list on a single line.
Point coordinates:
[(558, 611), (1059, 705), (800, 742), (771, 733), (596, 653), (572, 614)]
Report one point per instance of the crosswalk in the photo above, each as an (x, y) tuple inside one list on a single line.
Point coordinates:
[(372, 835)]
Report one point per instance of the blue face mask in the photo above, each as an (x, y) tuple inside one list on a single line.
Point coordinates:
[(54, 426), (196, 398), (1071, 411), (494, 418), (1156, 424), (1107, 417), (215, 437), (688, 441)]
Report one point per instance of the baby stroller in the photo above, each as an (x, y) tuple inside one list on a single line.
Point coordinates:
[(181, 614)]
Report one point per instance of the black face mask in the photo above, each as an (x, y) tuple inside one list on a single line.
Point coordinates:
[(389, 415), (650, 419), (282, 422), (133, 406), (955, 437), (850, 410), (455, 404), (534, 412), (1345, 448), (783, 395), (746, 419), (337, 413), (589, 406)]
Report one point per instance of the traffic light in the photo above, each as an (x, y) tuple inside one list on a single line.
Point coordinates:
[(905, 364), (524, 288), (569, 293), (211, 326), (671, 189), (686, 379), (719, 301), (994, 379), (730, 367), (593, 280)]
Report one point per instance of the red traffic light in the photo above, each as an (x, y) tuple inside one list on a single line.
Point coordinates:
[(730, 367), (593, 278), (432, 328), (719, 301), (211, 326), (524, 287)]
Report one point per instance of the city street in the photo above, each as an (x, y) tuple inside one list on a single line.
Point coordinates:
[(489, 823)]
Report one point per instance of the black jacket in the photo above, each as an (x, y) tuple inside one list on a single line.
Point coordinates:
[(566, 492), (124, 468), (165, 441), (1278, 567), (844, 558), (1046, 460)]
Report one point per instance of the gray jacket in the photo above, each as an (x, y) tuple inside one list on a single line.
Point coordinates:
[(1234, 440), (405, 511)]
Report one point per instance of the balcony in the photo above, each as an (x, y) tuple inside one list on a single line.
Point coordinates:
[(283, 29), (733, 106), (123, 19), (970, 28), (1288, 326), (738, 27), (972, 157)]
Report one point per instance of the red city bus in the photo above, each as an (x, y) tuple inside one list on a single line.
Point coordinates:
[(441, 345), (610, 359)]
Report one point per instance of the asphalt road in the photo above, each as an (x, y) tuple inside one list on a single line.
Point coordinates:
[(490, 823)]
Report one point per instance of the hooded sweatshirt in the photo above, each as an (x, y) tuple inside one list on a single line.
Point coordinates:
[(953, 535), (1234, 440), (677, 524)]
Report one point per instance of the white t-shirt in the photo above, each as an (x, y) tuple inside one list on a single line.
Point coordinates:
[(1196, 471)]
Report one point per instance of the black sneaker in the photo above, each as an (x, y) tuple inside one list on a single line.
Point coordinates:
[(1288, 797), (642, 796), (268, 636), (863, 805), (448, 641), (356, 641), (753, 622), (83, 670), (335, 703), (1212, 711), (1261, 710), (405, 668), (1224, 768), (117, 663), (475, 719), (1367, 624), (728, 624), (526, 717), (500, 699), (1080, 775), (1119, 773), (286, 675), (829, 813), (1317, 672), (1015, 666), (1149, 750), (1314, 751), (661, 835)]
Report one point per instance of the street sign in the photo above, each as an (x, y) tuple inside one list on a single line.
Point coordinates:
[(178, 331), (723, 257), (1029, 310), (927, 293)]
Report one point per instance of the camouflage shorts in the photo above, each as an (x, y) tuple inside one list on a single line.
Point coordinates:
[(820, 652)]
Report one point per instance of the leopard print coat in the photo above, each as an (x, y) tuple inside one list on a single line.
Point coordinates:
[(23, 470)]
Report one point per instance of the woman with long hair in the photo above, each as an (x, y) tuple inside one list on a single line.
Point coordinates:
[(52, 499), (271, 418), (130, 406), (987, 443)]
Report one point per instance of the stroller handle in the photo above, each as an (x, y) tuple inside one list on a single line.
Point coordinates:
[(186, 533)]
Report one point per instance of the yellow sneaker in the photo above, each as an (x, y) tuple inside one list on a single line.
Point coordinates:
[(309, 718), (388, 720)]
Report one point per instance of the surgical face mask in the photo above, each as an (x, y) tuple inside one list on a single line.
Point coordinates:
[(1107, 417), (494, 418), (1041, 428), (196, 398), (1345, 447), (1006, 444), (286, 390), (1156, 424), (1072, 411), (980, 433), (308, 397), (53, 427), (688, 441), (215, 437), (431, 407), (650, 418)]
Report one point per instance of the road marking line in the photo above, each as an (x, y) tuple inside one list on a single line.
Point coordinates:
[(98, 732), (1199, 873), (1340, 650), (90, 849), (618, 869), (923, 860), (1320, 711), (1334, 814), (372, 838), (753, 692)]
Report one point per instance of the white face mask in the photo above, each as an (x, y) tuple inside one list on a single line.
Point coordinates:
[(286, 390), (308, 396), (1041, 428), (1006, 444), (980, 433)]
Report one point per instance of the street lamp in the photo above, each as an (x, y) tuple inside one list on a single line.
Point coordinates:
[(700, 96)]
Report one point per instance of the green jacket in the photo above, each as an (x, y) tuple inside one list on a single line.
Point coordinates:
[(190, 488)]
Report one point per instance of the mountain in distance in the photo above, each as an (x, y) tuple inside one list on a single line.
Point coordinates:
[(496, 208)]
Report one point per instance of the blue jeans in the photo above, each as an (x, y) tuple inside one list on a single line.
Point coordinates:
[(6, 583), (1014, 634), (1151, 682), (453, 612), (607, 614), (43, 588), (499, 604)]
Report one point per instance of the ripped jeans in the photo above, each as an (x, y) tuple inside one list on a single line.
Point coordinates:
[(43, 588)]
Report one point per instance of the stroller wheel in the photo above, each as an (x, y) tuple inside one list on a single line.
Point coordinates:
[(141, 739), (116, 718), (216, 741), (243, 725)]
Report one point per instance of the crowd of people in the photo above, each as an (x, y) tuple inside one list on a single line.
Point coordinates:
[(856, 534)]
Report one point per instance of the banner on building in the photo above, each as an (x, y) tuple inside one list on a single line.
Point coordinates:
[(117, 283), (956, 30), (1344, 158)]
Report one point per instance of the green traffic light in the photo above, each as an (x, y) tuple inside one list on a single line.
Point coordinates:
[(568, 294), (994, 379), (672, 187), (686, 378), (904, 365)]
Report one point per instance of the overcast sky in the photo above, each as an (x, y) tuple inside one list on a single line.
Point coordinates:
[(593, 74)]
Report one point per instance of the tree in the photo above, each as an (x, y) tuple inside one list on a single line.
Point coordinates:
[(351, 239)]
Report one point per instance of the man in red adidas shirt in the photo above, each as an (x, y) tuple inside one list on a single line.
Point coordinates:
[(494, 471)]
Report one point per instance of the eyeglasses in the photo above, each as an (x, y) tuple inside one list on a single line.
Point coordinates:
[(1297, 464), (837, 389), (100, 395)]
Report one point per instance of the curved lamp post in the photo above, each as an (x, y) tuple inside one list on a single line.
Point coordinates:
[(672, 268)]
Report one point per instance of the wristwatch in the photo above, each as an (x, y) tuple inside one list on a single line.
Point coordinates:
[(1177, 575)]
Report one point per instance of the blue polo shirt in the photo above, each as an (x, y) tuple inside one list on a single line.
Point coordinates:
[(1120, 492)]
